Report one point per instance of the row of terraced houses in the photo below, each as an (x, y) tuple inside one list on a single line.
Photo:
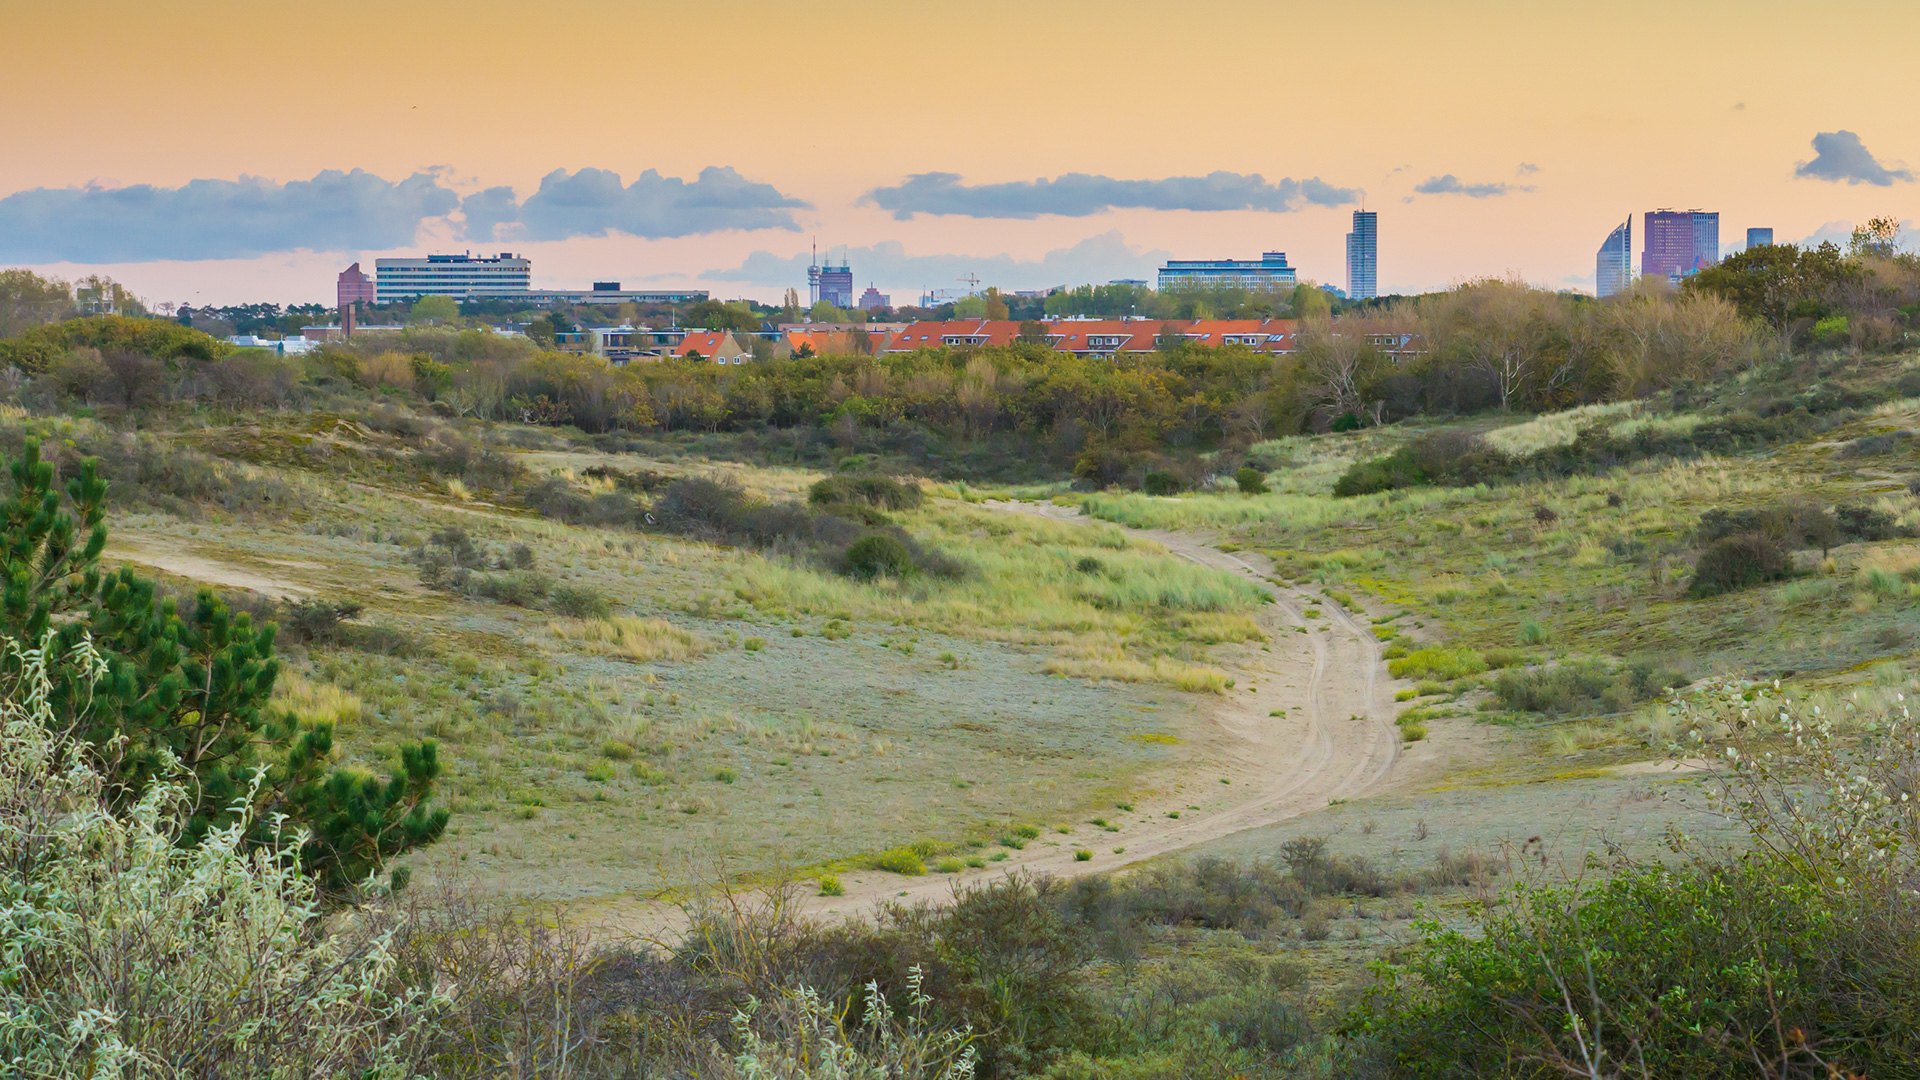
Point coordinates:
[(1097, 338)]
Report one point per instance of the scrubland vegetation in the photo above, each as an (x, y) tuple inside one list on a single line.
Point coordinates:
[(398, 664)]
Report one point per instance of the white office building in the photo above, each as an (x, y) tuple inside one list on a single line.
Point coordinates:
[(463, 277), (1269, 272)]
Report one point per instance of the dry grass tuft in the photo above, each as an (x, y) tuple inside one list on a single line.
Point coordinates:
[(314, 701), (631, 638)]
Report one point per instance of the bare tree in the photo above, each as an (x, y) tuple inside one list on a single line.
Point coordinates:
[(1336, 362)]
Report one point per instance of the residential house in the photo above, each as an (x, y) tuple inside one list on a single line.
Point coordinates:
[(718, 346)]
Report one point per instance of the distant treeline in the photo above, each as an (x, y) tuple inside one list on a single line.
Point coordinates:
[(1491, 344)]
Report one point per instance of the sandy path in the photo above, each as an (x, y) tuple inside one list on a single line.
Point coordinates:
[(196, 568), (1333, 740)]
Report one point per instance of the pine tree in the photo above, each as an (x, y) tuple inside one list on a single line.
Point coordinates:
[(195, 689)]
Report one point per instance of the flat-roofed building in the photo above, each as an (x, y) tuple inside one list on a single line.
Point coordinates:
[(463, 277), (1759, 238), (1678, 242), (1270, 272)]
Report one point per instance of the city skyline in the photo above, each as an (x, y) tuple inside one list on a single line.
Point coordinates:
[(1519, 183)]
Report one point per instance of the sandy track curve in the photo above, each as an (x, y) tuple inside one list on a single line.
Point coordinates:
[(1333, 741)]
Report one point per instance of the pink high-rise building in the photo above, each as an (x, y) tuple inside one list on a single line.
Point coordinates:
[(355, 287), (1675, 243)]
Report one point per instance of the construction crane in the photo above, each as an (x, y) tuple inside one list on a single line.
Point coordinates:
[(932, 297)]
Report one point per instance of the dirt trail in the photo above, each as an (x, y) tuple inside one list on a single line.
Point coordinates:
[(212, 572), (1334, 739)]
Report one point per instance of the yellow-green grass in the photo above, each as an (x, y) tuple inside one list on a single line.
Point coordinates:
[(631, 638), (1115, 607), (573, 772)]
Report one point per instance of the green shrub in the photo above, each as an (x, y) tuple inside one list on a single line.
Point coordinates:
[(754, 644), (1698, 971), (1082, 855), (579, 602), (522, 589), (1498, 658), (950, 865), (1437, 663), (873, 491), (1252, 481), (1532, 633), (616, 750), (1584, 688), (1026, 832), (1089, 565), (900, 860), (725, 776), (1161, 483), (1405, 695), (648, 775), (1412, 732), (878, 555), (1739, 562), (830, 885)]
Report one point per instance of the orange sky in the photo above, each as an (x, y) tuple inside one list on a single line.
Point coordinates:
[(1623, 107)]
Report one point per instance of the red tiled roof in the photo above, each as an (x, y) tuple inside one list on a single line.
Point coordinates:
[(704, 342)]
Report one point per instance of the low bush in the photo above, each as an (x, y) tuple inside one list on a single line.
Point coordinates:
[(1791, 956), (579, 602), (1584, 688), (900, 860), (881, 492), (1252, 481), (878, 555), (1739, 562), (1161, 483), (723, 513)]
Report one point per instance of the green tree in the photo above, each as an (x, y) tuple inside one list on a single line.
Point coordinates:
[(1879, 238), (28, 300), (1777, 283), (1310, 300), (434, 310), (192, 693)]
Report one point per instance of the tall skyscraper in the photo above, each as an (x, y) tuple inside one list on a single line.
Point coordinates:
[(1363, 256), (1759, 237), (1613, 268), (1678, 242)]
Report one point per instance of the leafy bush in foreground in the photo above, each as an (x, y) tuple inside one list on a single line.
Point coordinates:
[(1793, 959), (139, 948)]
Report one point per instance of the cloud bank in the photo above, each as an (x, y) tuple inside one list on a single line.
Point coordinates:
[(1840, 155), (1452, 185), (1080, 194), (1097, 259), (358, 211), (592, 202), (218, 219)]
